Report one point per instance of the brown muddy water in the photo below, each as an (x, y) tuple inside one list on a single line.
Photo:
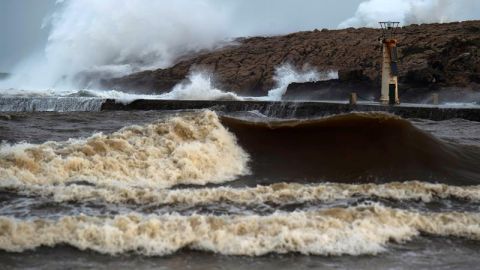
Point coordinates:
[(198, 190)]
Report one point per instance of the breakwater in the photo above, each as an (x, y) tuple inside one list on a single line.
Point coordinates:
[(280, 109), (303, 109)]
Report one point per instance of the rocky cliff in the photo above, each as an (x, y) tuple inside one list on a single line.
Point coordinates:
[(431, 56)]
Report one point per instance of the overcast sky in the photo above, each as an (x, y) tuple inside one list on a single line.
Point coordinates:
[(20, 29), (21, 32)]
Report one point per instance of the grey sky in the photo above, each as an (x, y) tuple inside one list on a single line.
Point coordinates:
[(283, 16), (20, 29), (21, 34)]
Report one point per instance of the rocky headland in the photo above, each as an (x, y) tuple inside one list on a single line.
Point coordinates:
[(432, 57)]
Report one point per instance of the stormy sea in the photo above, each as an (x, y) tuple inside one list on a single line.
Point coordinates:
[(240, 190)]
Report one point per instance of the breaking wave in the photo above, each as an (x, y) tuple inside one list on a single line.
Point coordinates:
[(364, 229), (353, 147), (137, 35), (200, 86), (129, 175), (62, 104), (202, 148), (279, 193), (192, 149), (287, 74), (197, 86)]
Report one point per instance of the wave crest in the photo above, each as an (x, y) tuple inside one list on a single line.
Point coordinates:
[(191, 149), (280, 193), (357, 230)]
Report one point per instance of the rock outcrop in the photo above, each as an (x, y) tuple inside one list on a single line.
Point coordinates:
[(431, 56)]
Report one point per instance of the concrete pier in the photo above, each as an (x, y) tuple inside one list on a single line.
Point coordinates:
[(281, 109), (304, 108)]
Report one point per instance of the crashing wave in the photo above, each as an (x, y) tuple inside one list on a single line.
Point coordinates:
[(53, 104), (280, 193), (192, 149), (365, 229)]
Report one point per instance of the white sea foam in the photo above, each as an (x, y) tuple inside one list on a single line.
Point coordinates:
[(199, 87), (280, 193), (286, 74), (357, 230)]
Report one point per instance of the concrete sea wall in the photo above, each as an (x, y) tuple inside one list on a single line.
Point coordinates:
[(302, 109)]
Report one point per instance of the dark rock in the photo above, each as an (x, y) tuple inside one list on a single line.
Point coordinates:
[(332, 90), (353, 75)]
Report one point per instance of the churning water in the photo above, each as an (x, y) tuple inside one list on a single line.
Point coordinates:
[(185, 189)]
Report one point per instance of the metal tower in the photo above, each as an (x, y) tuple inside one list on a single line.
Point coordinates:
[(389, 64)]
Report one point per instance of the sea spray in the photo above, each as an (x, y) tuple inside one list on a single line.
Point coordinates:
[(287, 74), (199, 85), (52, 104), (370, 12), (136, 35)]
